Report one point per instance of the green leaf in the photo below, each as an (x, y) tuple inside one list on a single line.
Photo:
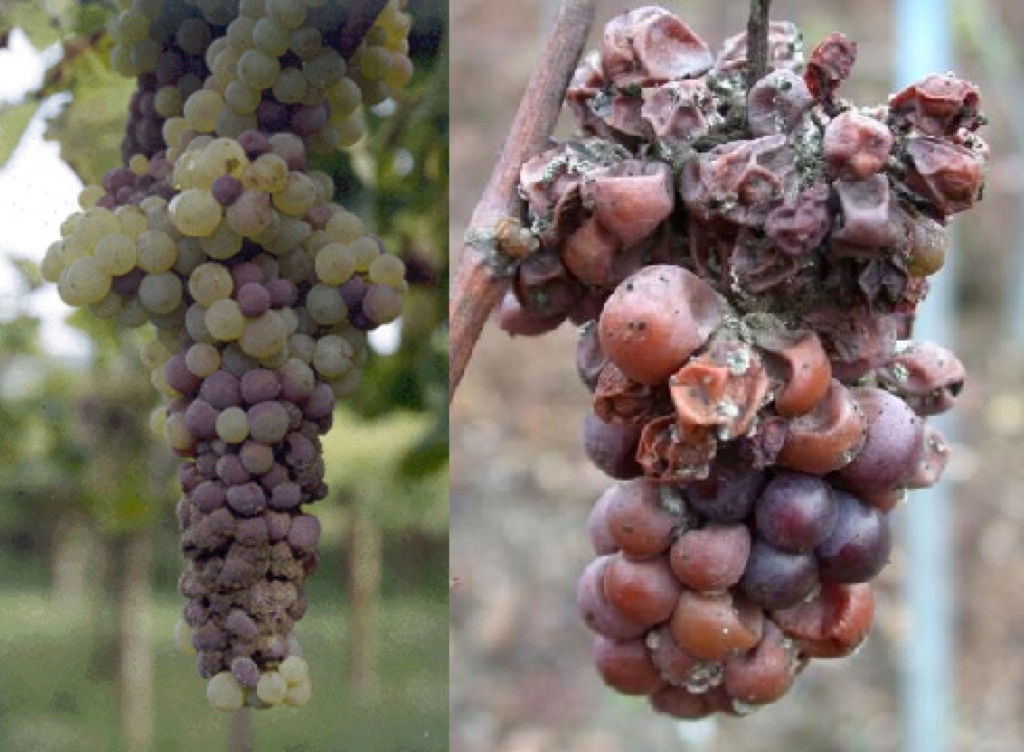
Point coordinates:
[(14, 120)]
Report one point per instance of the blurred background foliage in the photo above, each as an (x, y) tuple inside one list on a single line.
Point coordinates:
[(88, 536)]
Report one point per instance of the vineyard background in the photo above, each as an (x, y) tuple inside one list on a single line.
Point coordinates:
[(89, 556), (521, 675)]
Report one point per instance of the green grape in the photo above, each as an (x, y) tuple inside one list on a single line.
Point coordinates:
[(232, 425), (272, 688), (201, 110), (133, 26), (257, 70), (225, 693), (241, 98), (83, 282), (216, 47), (288, 146), (263, 336), (387, 269), (297, 196), (138, 164), (108, 307), (325, 141), (239, 34), (223, 244), (365, 251), (231, 123), (153, 354), (160, 293), (324, 185), (121, 60), (225, 65), (173, 129), (288, 13), (299, 694), (325, 304), (375, 62), (306, 42), (351, 129), (269, 172), (290, 86), (132, 314), (115, 254), (156, 252), (182, 631), (190, 256), (325, 70), (332, 357), (224, 320), (202, 359), (89, 195), (302, 347), (70, 250), (296, 266), (209, 283), (93, 225), (175, 430), (132, 220), (294, 670), (195, 212), (400, 72), (291, 233), (344, 226), (144, 55), (345, 96), (270, 38), (251, 8), (51, 266), (335, 264)]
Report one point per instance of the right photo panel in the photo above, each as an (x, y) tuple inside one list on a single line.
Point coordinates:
[(736, 331)]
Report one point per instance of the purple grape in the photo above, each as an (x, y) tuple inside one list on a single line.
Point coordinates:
[(597, 525), (729, 493), (320, 403), (252, 532), (226, 189), (231, 470), (285, 496), (304, 534), (272, 115), (246, 671), (253, 299), (598, 614), (246, 273), (308, 119), (259, 385), (256, 458), (277, 474), (859, 545), (796, 512), (178, 376), (612, 447), (278, 524), (268, 421), (221, 389), (894, 437), (254, 143), (127, 285), (209, 495), (246, 499), (297, 381), (201, 419), (283, 293), (189, 476), (776, 579), (352, 292)]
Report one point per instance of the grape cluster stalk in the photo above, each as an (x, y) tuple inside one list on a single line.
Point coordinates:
[(260, 285), (744, 265)]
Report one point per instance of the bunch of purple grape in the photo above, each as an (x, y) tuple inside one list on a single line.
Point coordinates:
[(745, 267), (261, 288)]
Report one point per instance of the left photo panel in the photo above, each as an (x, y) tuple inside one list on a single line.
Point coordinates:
[(223, 375)]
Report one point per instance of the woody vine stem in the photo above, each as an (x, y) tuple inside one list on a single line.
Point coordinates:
[(485, 268)]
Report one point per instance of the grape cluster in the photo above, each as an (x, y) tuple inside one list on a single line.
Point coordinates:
[(261, 288), (745, 267)]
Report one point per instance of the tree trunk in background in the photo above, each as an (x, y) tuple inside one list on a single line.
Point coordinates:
[(72, 553), (136, 659), (364, 578), (240, 737)]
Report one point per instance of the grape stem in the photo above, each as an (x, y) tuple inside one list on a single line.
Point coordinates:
[(757, 41), (480, 283), (359, 21)]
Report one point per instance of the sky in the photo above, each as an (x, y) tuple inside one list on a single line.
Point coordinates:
[(38, 191)]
